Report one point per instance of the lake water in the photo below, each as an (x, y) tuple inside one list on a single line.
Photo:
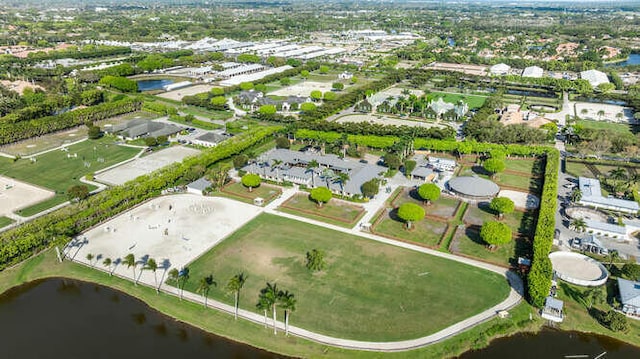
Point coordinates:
[(150, 85), (555, 344), (61, 318), (634, 59)]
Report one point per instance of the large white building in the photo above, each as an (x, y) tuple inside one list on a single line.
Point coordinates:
[(594, 77), (533, 71), (592, 197), (499, 69)]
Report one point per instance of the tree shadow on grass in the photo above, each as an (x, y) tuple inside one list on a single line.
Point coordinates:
[(479, 170), (473, 233), (485, 207), (574, 294)]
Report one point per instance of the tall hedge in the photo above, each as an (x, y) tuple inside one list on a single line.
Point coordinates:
[(60, 226)]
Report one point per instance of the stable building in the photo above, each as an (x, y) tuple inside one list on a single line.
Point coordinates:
[(629, 296), (592, 197)]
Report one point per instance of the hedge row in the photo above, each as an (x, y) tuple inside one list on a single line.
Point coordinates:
[(12, 132), (60, 226)]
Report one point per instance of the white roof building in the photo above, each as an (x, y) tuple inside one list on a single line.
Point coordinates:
[(499, 69), (594, 77), (533, 71), (592, 197)]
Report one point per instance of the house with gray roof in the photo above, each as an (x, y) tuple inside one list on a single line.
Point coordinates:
[(629, 296), (293, 166), (210, 139), (552, 309), (140, 128), (196, 187)]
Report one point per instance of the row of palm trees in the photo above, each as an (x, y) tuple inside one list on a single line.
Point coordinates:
[(270, 297)]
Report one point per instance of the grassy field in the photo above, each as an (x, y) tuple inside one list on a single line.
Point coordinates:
[(470, 244), (336, 212), (241, 193), (525, 183), (603, 125), (368, 291), (45, 266), (426, 231), (474, 101), (53, 170), (5, 221)]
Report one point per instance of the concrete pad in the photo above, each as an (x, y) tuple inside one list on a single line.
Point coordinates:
[(522, 200), (15, 195), (144, 165), (193, 225)]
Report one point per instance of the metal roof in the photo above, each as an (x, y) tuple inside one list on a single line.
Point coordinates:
[(474, 186), (629, 292), (554, 303)]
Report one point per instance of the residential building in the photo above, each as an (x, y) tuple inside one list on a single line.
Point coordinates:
[(196, 187), (209, 139)]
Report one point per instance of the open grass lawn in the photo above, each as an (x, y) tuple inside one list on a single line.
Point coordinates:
[(474, 101), (211, 114), (524, 183), (603, 125), (426, 231), (45, 265), (481, 213), (5, 221), (444, 207), (336, 212), (239, 192), (469, 243), (369, 291), (521, 165), (578, 169), (53, 170)]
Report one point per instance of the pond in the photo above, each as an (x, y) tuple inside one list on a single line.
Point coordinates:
[(634, 59), (150, 85), (551, 343), (62, 318)]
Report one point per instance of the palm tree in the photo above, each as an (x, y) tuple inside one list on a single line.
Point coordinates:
[(234, 286), (600, 113), (578, 224), (613, 256), (174, 275), (152, 265), (576, 195), (618, 174), (205, 286), (276, 164), (311, 166), (263, 305), (130, 261), (107, 263), (90, 259), (270, 294), (183, 277), (287, 301), (342, 178)]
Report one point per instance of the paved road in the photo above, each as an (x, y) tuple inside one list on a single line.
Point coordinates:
[(514, 297)]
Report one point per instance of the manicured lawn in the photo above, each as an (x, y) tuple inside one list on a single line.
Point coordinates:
[(368, 291), (336, 212), (443, 207), (520, 165), (426, 231), (5, 221), (508, 179), (239, 192), (474, 101), (468, 242), (481, 213), (53, 170), (578, 169), (603, 125)]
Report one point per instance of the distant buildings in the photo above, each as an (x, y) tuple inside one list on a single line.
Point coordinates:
[(135, 129), (594, 77), (499, 69), (533, 71)]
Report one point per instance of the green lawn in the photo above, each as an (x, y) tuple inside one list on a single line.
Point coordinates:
[(5, 221), (239, 192), (369, 291), (603, 125), (522, 182), (53, 170), (336, 212), (426, 231), (470, 244), (474, 101), (481, 213), (521, 165)]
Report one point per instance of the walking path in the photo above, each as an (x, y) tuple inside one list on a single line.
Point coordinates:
[(514, 297)]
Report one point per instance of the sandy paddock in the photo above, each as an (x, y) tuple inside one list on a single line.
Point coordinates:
[(15, 195), (384, 120), (193, 225), (144, 165), (178, 94), (303, 89), (577, 268), (522, 200)]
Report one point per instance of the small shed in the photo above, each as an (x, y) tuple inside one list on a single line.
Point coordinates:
[(258, 201), (196, 187), (553, 309)]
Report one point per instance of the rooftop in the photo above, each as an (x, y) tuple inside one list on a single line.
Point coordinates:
[(629, 292), (474, 186)]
